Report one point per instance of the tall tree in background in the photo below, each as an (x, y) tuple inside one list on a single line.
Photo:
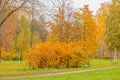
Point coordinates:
[(24, 38), (113, 28), (100, 20), (60, 31), (39, 30), (39, 16), (57, 29), (88, 30)]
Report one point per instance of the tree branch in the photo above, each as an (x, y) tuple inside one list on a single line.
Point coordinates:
[(2, 22), (0, 2)]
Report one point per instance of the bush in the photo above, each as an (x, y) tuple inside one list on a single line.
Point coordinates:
[(58, 55), (8, 55)]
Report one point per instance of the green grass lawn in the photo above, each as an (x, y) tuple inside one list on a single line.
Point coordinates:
[(16, 68), (110, 74)]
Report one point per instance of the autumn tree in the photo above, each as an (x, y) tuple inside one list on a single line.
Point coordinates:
[(88, 30), (60, 31), (6, 5), (112, 34), (39, 12), (100, 20), (8, 33)]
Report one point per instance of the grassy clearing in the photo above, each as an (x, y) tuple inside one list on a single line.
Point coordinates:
[(101, 63), (111, 74), (12, 65), (16, 68)]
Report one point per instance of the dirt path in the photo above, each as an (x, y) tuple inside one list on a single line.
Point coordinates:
[(57, 73)]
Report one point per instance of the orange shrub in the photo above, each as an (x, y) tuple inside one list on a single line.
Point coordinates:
[(56, 55)]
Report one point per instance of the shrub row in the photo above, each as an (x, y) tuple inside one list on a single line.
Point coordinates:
[(58, 55)]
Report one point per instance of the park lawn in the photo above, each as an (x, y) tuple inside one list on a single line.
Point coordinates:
[(110, 74), (11, 68)]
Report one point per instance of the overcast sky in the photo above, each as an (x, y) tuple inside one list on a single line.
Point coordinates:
[(93, 4)]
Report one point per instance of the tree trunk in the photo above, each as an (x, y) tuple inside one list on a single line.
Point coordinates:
[(118, 55), (112, 53), (19, 56), (0, 56), (101, 52), (68, 63), (115, 56)]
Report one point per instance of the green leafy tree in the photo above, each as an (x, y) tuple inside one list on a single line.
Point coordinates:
[(113, 28), (24, 38)]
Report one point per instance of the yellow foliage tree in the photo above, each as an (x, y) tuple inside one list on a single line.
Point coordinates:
[(100, 20), (88, 30)]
